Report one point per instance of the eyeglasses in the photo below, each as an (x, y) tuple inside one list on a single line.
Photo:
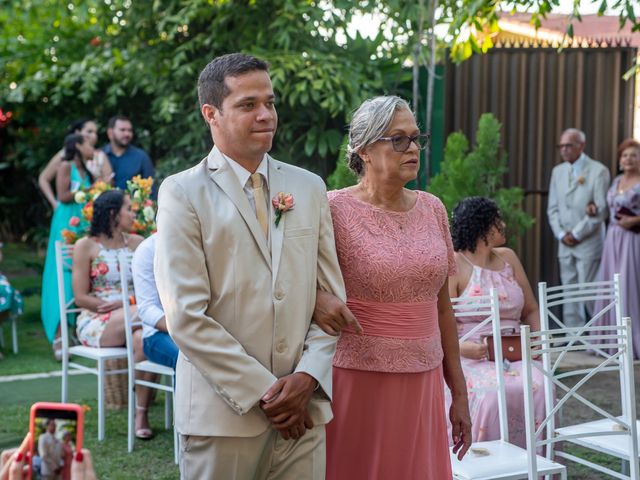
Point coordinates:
[(560, 146), (401, 143)]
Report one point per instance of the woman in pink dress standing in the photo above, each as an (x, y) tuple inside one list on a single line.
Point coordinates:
[(395, 253), (482, 264)]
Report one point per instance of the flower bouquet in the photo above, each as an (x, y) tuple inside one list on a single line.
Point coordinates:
[(138, 188)]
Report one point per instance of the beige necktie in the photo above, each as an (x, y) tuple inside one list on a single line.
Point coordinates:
[(261, 208)]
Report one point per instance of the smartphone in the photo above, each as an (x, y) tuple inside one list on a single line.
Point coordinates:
[(56, 435)]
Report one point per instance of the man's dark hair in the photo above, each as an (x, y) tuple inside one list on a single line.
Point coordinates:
[(115, 118), (472, 220), (212, 88)]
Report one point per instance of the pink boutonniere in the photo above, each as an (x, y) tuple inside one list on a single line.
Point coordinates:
[(581, 180), (282, 202)]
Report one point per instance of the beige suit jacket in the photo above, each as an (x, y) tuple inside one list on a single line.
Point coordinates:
[(567, 207), (239, 312)]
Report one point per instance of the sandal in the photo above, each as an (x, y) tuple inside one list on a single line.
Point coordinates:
[(56, 346), (143, 433)]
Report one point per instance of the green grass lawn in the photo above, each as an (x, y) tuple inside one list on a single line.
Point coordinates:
[(151, 459)]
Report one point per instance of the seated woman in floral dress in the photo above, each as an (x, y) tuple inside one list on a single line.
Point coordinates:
[(97, 289), (478, 233)]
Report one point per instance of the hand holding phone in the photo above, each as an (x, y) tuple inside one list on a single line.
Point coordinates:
[(56, 434)]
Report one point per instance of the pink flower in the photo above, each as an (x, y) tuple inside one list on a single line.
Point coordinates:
[(476, 291), (102, 268), (282, 202), (74, 221)]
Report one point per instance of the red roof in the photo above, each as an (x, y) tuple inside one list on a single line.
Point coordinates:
[(592, 27)]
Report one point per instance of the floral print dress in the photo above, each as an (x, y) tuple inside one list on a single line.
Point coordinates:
[(105, 284), (10, 298)]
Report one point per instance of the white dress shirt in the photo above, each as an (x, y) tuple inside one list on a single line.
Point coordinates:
[(150, 309), (244, 177)]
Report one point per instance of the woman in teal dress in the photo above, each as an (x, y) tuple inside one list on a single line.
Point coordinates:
[(71, 177)]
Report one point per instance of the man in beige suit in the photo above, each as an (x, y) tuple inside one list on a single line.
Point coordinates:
[(577, 210), (254, 373)]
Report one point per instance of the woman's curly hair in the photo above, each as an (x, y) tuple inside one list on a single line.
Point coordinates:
[(105, 212), (472, 220)]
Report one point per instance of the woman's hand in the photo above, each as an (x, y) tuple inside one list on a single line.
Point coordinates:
[(13, 461), (627, 221), (592, 209), (474, 351), (332, 315), (106, 307), (82, 466), (460, 425)]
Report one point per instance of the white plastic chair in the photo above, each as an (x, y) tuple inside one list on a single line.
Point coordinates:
[(99, 355), (146, 366), (496, 459), (13, 319), (616, 436)]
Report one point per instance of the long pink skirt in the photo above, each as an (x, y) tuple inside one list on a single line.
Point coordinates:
[(388, 426)]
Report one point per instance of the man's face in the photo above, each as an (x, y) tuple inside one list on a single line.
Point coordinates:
[(121, 133), (51, 427), (245, 125), (570, 147)]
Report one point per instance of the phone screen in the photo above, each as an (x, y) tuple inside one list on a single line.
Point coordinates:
[(55, 438)]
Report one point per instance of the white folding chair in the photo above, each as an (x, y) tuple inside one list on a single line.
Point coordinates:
[(613, 435), (145, 366), (495, 459), (608, 291), (13, 319), (99, 355)]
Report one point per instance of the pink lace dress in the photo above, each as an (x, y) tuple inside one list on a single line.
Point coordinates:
[(480, 374), (389, 418)]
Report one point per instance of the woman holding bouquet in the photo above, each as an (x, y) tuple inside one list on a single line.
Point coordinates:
[(72, 176), (621, 251), (99, 165)]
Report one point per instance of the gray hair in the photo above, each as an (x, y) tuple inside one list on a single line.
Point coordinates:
[(368, 124), (582, 138)]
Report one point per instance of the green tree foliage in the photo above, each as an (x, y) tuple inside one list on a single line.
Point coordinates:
[(96, 58), (480, 172)]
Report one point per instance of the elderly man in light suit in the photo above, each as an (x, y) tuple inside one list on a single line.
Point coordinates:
[(577, 210), (254, 373)]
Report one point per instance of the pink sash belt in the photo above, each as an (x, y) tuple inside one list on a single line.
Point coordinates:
[(397, 338)]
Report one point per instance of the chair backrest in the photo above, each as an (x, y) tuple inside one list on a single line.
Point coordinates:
[(124, 263), (578, 339), (64, 261), (608, 291), (487, 307)]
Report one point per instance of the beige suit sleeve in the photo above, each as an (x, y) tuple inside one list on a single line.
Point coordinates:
[(588, 225), (183, 284), (319, 347), (552, 205)]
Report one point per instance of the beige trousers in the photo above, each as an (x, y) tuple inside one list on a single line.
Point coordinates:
[(575, 270), (265, 457)]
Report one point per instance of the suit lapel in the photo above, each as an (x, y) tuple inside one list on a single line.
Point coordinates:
[(222, 174), (572, 183), (277, 183)]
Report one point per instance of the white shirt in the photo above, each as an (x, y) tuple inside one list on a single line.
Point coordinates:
[(244, 177), (150, 309)]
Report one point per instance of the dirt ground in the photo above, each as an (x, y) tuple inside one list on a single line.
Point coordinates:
[(603, 390)]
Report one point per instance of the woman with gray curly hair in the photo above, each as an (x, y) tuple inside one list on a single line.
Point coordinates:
[(395, 253)]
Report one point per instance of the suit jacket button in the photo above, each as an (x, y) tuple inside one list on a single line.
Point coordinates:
[(279, 295), (281, 347)]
